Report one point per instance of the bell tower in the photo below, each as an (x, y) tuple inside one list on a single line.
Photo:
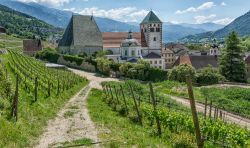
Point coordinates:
[(151, 28)]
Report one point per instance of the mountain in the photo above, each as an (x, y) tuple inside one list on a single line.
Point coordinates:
[(240, 25), (204, 26), (59, 18), (173, 32), (50, 15), (23, 25)]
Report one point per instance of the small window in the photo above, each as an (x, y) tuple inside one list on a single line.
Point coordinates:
[(156, 62), (152, 30), (154, 25), (160, 67), (150, 25), (151, 62), (158, 30), (160, 62), (133, 53), (145, 30), (154, 38), (126, 53)]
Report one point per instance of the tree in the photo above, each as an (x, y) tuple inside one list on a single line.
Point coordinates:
[(180, 72), (232, 65), (103, 65), (208, 76)]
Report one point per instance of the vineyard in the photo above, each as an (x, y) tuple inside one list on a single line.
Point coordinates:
[(233, 99), (33, 94), (150, 109)]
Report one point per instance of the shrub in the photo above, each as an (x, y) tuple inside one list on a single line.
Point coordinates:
[(103, 65), (157, 75), (124, 68), (70, 58), (208, 76), (49, 55), (180, 72)]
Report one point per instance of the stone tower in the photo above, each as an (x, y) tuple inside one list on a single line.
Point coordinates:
[(151, 28)]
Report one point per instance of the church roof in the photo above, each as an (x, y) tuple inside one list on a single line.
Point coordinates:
[(152, 55), (114, 39), (151, 18), (82, 30)]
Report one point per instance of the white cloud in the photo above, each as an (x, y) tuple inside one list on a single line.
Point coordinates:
[(204, 19), (224, 21), (126, 14), (204, 6), (223, 4)]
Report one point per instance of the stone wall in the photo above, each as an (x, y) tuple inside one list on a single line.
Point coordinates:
[(84, 66)]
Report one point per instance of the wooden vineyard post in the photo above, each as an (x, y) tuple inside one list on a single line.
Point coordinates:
[(155, 108), (210, 109), (206, 107), (112, 96), (199, 139), (105, 92), (116, 95), (14, 110), (58, 87), (36, 86), (136, 106), (124, 99), (48, 88)]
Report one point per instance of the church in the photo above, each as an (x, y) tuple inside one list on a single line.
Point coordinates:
[(132, 46), (83, 35)]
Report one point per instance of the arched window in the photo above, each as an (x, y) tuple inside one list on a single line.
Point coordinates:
[(154, 38)]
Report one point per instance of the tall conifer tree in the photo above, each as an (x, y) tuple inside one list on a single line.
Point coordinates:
[(232, 65)]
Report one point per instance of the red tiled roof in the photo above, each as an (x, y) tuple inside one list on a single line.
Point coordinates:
[(197, 62), (247, 60), (32, 45), (2, 29), (114, 39)]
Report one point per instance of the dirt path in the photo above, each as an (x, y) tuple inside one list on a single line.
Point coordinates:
[(73, 121), (229, 117)]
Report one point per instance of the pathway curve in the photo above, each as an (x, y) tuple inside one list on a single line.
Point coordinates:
[(73, 121), (229, 117)]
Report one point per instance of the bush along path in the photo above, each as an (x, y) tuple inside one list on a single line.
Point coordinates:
[(72, 126)]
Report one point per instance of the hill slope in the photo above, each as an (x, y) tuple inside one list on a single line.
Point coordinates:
[(24, 25), (240, 25)]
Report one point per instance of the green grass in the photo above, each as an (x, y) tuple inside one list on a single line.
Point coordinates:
[(120, 131)]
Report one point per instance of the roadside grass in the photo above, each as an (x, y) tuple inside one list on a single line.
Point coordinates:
[(32, 117), (119, 131)]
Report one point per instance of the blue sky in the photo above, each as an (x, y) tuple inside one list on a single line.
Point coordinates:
[(175, 11)]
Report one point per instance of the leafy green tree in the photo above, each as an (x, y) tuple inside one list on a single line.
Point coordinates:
[(208, 76), (232, 65), (180, 72)]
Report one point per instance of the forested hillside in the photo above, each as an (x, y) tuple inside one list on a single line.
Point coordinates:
[(23, 25)]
